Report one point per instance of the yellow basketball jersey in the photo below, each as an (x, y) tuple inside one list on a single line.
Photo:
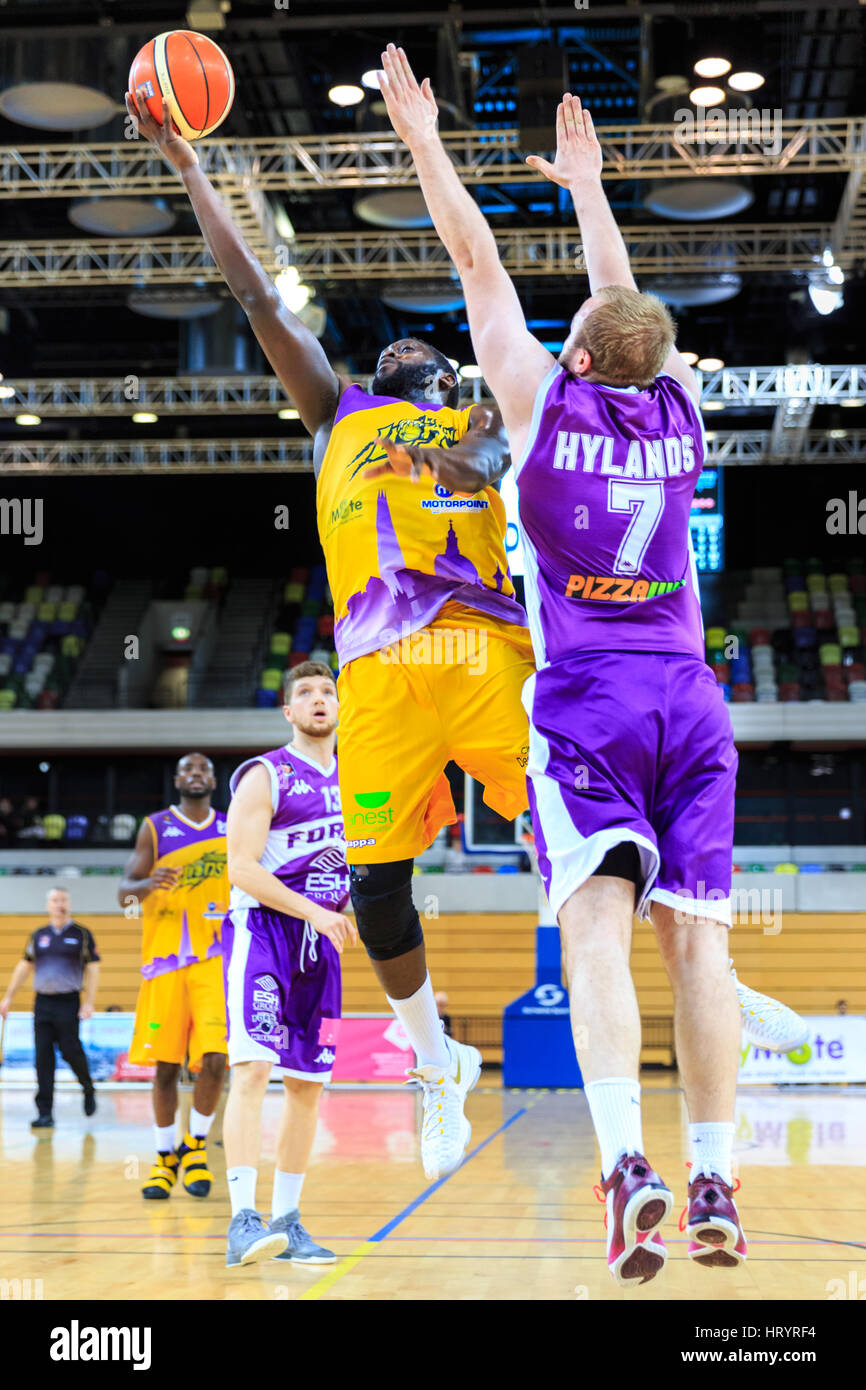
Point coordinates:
[(396, 550), (181, 925)]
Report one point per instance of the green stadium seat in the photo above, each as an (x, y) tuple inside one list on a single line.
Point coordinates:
[(46, 612), (281, 642), (8, 699), (34, 594), (272, 679), (54, 826)]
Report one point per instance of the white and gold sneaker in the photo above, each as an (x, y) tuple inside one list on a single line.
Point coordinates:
[(767, 1022), (445, 1131)]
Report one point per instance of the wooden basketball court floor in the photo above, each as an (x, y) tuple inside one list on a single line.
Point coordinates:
[(517, 1222)]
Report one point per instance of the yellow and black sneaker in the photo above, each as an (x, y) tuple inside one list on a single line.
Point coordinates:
[(163, 1176), (192, 1156)]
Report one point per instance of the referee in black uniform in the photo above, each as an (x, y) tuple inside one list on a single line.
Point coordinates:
[(64, 957)]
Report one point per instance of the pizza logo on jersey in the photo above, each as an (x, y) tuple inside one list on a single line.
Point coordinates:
[(612, 589), (285, 771)]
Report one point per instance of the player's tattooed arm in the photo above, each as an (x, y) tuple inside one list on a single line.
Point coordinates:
[(139, 876), (476, 461), (295, 354)]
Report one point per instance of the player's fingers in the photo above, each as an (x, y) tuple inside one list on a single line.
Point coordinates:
[(378, 470), (588, 127), (406, 69), (427, 91), (572, 118), (392, 68), (541, 164), (561, 132)]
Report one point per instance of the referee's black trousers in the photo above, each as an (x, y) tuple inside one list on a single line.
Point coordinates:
[(55, 1020)]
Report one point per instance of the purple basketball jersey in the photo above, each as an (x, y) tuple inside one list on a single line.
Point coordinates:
[(306, 847), (605, 490)]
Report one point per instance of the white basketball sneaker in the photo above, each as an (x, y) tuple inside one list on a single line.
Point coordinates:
[(446, 1132), (767, 1022)]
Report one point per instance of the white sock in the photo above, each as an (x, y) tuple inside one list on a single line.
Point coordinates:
[(242, 1188), (164, 1138), (423, 1026), (199, 1124), (710, 1148), (287, 1192), (614, 1104)]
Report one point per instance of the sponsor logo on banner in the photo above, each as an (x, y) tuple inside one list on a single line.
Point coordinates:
[(836, 1051)]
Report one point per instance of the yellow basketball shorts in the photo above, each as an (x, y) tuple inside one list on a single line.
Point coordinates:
[(449, 692), (181, 1014)]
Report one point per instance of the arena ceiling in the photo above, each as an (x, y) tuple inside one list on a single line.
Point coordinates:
[(285, 58)]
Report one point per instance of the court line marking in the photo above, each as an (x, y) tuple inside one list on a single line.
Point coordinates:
[(322, 1285)]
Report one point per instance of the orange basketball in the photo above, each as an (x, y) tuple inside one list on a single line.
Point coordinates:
[(194, 76)]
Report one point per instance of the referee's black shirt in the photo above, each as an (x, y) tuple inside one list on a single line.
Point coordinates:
[(59, 957)]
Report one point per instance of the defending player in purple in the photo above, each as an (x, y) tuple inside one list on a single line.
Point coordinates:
[(282, 940), (631, 758)]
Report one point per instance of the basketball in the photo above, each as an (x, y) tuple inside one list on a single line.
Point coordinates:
[(194, 76)]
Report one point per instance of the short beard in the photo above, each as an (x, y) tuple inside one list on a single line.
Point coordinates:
[(196, 796), (316, 730), (409, 382)]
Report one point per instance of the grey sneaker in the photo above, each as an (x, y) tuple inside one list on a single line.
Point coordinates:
[(250, 1240), (301, 1248)]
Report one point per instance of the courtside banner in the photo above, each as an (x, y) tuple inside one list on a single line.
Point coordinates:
[(370, 1048), (836, 1051)]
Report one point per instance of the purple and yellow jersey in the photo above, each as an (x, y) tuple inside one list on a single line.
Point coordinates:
[(396, 551), (181, 925), (605, 489)]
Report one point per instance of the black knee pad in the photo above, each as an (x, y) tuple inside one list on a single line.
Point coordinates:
[(388, 923)]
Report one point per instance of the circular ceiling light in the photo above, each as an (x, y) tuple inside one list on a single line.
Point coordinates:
[(346, 94), (394, 207), (28, 420), (144, 417), (672, 83), (173, 304), (710, 364), (6, 393), (424, 299), (370, 80), (686, 291), (122, 216), (689, 357), (57, 106), (696, 200), (712, 67), (706, 96), (470, 372), (288, 414), (746, 81)]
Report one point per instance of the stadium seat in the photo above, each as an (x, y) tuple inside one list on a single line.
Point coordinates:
[(48, 699), (8, 699), (77, 828), (34, 594), (267, 699), (54, 826), (271, 679), (122, 827), (281, 642)]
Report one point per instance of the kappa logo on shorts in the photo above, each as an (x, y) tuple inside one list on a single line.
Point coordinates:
[(325, 1058)]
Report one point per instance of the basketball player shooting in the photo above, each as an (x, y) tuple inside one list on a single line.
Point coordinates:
[(632, 763), (400, 562)]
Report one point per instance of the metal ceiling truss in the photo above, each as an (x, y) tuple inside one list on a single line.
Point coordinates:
[(419, 255), (170, 456), (795, 389), (304, 163)]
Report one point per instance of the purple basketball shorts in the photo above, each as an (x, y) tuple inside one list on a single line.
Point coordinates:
[(633, 746), (283, 993)]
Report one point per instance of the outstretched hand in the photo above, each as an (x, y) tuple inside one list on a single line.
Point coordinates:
[(578, 153), (412, 109), (179, 152)]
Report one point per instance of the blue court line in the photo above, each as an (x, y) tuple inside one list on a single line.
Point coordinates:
[(349, 1261), (385, 1231)]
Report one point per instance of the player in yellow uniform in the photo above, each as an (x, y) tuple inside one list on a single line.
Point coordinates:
[(177, 873), (433, 646)]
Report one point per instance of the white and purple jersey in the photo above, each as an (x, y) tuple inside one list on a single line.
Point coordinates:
[(605, 490), (306, 846)]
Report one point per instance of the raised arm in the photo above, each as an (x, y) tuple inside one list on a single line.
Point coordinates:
[(577, 167), (512, 362), (295, 353)]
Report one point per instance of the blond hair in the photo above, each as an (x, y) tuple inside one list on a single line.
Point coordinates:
[(628, 337)]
